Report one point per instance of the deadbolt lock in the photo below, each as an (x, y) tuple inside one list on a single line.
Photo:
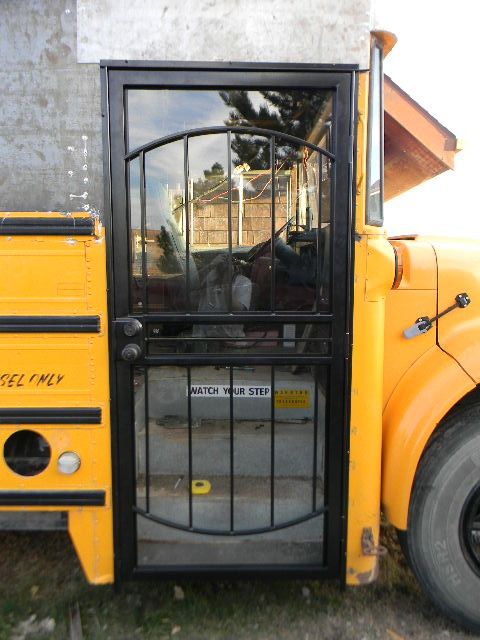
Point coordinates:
[(132, 328)]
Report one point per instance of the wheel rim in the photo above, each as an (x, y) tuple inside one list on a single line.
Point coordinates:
[(470, 529)]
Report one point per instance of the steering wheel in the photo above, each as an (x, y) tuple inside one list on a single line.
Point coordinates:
[(257, 249)]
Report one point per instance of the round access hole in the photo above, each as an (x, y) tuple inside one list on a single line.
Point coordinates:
[(27, 453)]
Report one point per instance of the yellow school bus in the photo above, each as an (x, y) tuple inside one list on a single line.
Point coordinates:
[(234, 371)]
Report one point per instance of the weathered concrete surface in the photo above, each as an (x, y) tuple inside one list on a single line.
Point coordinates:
[(327, 31), (48, 103)]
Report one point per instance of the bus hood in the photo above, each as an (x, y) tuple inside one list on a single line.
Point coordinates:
[(458, 332)]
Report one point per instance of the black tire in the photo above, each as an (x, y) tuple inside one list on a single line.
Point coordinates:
[(403, 542), (442, 549)]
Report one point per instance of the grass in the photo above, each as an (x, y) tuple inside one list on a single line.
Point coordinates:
[(39, 575)]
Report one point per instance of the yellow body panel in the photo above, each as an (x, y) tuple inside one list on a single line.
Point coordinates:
[(427, 375), (459, 331), (49, 276), (373, 277), (416, 296), (425, 393), (419, 265)]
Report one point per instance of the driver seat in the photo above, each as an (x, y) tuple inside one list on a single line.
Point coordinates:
[(261, 279)]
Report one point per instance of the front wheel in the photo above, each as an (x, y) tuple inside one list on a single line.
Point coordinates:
[(443, 536)]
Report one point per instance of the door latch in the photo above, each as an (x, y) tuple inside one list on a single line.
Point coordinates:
[(424, 324)]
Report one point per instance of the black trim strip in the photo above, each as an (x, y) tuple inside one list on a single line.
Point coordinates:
[(52, 498), (49, 324), (233, 571), (176, 65), (65, 226), (40, 415)]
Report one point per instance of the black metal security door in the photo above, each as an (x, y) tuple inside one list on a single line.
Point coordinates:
[(230, 191)]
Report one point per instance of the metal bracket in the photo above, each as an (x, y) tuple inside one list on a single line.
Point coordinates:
[(424, 324), (369, 548)]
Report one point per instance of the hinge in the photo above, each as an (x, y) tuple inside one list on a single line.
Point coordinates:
[(369, 548), (347, 345)]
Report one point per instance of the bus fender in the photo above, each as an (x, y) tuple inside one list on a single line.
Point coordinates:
[(423, 396)]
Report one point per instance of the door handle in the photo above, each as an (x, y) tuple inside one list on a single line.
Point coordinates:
[(131, 352)]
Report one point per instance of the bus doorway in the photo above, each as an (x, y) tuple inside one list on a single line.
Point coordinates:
[(231, 199)]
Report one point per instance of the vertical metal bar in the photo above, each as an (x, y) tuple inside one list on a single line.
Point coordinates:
[(333, 239), (320, 261), (232, 485), (302, 204), (297, 195), (131, 253), (147, 440), (229, 214), (184, 208), (288, 201), (132, 237), (272, 240), (143, 232), (240, 210), (315, 441), (187, 222), (327, 456), (272, 446), (191, 211), (190, 457)]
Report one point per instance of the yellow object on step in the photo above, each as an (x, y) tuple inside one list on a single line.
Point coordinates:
[(201, 487)]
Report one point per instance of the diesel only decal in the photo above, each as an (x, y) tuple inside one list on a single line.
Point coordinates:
[(12, 380)]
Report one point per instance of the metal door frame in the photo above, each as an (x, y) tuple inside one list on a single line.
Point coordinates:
[(116, 77)]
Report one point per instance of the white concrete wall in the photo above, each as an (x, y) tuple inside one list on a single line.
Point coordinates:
[(49, 111), (50, 120), (317, 31)]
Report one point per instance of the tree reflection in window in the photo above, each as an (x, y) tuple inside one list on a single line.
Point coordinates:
[(295, 112)]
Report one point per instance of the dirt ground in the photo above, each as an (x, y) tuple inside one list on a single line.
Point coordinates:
[(43, 595)]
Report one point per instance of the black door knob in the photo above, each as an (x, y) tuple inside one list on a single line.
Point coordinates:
[(132, 327), (131, 352)]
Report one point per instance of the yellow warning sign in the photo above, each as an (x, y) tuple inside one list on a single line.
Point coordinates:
[(292, 399)]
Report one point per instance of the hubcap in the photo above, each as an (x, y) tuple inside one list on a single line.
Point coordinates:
[(470, 529)]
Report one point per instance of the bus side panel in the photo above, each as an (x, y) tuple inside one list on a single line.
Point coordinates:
[(54, 382)]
